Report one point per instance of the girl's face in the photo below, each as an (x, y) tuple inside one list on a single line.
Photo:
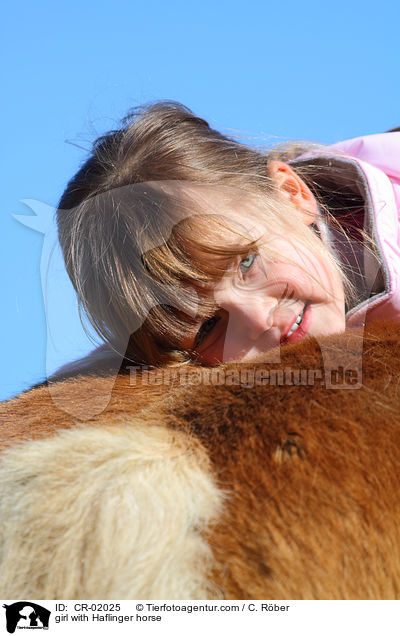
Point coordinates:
[(261, 304), (265, 301)]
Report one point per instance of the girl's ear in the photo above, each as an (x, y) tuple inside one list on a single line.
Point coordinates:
[(292, 187)]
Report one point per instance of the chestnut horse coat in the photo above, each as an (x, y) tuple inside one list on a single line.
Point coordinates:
[(249, 486)]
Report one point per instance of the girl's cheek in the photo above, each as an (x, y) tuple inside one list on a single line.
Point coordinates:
[(213, 355)]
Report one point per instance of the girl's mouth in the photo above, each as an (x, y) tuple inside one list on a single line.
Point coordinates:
[(300, 327)]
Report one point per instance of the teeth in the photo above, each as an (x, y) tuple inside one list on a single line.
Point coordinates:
[(296, 323)]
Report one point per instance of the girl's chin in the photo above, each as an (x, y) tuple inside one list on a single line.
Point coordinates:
[(332, 329)]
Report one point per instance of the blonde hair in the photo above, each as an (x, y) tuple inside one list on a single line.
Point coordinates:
[(134, 235)]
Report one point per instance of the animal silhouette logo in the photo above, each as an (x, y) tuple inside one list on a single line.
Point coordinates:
[(26, 615), (59, 296)]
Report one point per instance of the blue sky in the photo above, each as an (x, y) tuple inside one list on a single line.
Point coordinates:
[(71, 70)]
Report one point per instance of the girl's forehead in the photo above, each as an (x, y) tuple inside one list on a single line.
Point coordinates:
[(210, 198), (250, 213), (230, 202), (238, 209)]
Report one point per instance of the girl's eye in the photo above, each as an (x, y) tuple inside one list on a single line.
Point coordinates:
[(207, 326), (246, 263)]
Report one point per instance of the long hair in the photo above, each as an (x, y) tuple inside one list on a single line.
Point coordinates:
[(141, 243)]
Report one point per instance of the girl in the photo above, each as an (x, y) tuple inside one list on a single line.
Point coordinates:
[(183, 244)]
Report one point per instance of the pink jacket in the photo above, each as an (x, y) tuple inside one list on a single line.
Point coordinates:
[(374, 162)]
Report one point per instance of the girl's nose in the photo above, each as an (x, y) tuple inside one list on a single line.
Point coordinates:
[(252, 319)]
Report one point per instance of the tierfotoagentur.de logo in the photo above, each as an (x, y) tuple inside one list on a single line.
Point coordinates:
[(339, 369), (26, 615)]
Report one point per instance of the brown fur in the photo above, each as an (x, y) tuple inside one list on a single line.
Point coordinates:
[(312, 506)]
